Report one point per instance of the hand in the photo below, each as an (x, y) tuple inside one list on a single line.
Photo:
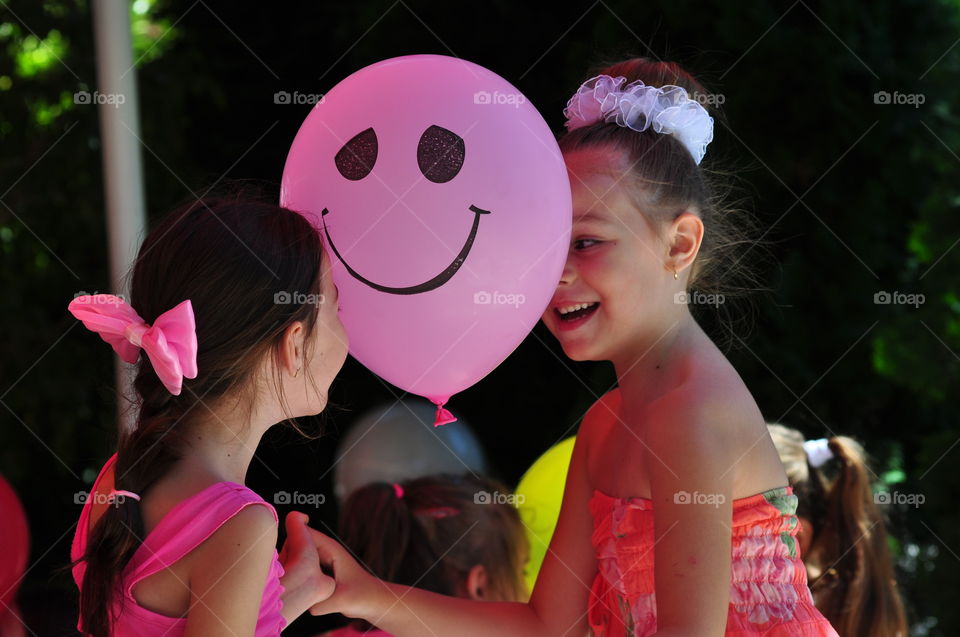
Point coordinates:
[(356, 591), (304, 581)]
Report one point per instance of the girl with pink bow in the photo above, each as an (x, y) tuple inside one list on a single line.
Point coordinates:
[(235, 310)]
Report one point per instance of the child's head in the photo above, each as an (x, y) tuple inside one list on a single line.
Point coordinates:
[(648, 225), (269, 344), (843, 538), (443, 533), (265, 308)]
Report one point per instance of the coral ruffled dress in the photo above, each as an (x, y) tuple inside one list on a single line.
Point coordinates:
[(768, 588)]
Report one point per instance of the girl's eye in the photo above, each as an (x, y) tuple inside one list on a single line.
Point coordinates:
[(578, 243)]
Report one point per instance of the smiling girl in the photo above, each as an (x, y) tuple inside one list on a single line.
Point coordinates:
[(677, 518)]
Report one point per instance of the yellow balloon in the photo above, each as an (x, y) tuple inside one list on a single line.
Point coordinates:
[(541, 488)]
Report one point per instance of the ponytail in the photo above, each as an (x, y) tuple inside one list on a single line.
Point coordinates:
[(857, 592), (850, 570), (143, 456)]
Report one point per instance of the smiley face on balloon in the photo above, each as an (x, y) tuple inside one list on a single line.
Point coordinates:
[(440, 155), (442, 195)]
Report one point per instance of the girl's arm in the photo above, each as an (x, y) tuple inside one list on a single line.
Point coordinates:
[(691, 483), (229, 573), (558, 605)]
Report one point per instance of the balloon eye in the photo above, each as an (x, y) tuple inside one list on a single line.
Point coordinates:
[(440, 154), (357, 157)]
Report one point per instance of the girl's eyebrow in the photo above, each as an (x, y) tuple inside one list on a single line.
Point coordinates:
[(591, 216)]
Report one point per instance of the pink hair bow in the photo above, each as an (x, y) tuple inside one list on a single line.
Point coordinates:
[(170, 343)]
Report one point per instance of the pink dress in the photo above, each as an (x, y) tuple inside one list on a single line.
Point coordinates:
[(183, 528), (768, 588)]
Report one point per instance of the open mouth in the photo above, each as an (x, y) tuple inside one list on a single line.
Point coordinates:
[(426, 286), (576, 313)]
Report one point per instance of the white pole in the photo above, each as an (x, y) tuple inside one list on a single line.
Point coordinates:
[(122, 167)]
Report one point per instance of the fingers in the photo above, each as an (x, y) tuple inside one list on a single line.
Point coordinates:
[(295, 521), (298, 540), (325, 587), (329, 549)]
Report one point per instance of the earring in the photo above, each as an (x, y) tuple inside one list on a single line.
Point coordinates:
[(675, 275)]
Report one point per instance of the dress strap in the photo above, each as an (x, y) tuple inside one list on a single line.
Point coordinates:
[(188, 525)]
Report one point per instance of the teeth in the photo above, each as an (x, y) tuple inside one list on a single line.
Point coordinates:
[(574, 308)]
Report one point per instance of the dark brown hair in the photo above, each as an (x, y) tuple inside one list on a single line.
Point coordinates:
[(855, 588), (663, 181), (231, 256), (432, 535)]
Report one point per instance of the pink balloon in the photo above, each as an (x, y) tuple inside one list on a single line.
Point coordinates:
[(445, 206)]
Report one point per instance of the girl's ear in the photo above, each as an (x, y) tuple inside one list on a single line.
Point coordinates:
[(291, 348), (684, 239), (476, 584)]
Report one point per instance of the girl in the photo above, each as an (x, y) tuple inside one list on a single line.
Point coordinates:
[(441, 533), (674, 487), (170, 541), (842, 534)]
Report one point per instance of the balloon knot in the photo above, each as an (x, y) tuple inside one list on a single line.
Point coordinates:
[(444, 417)]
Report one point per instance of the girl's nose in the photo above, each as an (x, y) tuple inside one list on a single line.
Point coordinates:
[(569, 274)]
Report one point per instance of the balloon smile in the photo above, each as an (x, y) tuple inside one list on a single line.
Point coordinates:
[(426, 286)]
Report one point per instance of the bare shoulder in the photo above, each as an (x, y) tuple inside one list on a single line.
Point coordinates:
[(712, 433), (602, 412), (251, 533), (252, 526), (230, 572)]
